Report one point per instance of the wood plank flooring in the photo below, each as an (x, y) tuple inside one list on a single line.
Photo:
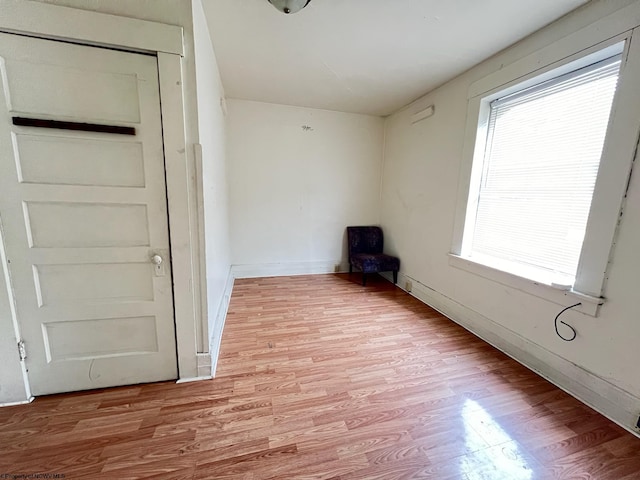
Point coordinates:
[(321, 378)]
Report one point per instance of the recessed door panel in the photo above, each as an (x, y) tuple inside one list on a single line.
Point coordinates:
[(68, 160), (44, 88), (80, 224), (61, 285), (100, 338)]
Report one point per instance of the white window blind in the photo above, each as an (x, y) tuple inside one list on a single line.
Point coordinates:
[(540, 165)]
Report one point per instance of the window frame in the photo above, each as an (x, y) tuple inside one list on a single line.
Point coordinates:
[(611, 183)]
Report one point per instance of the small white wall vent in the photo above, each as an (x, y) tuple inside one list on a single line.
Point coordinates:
[(422, 114)]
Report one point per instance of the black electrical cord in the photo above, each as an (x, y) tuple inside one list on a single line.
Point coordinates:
[(555, 323)]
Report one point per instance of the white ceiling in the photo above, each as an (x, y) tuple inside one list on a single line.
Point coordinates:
[(363, 56)]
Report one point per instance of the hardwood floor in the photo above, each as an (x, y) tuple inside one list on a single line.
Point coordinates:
[(321, 378)]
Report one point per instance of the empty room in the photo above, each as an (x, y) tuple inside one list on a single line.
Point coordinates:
[(319, 239)]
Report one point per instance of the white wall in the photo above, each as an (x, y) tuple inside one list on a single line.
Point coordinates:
[(419, 192), (297, 178), (211, 124)]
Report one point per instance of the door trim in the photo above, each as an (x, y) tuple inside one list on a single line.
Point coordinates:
[(180, 227), (54, 22)]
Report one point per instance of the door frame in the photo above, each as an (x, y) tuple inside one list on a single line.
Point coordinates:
[(53, 22)]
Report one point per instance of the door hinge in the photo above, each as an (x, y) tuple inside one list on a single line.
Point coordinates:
[(22, 351)]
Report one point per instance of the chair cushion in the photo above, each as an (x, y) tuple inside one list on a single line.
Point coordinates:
[(365, 240), (378, 262)]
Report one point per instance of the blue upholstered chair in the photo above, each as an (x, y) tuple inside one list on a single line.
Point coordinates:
[(365, 252)]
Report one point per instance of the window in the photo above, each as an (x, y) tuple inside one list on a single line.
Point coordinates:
[(539, 165), (548, 153)]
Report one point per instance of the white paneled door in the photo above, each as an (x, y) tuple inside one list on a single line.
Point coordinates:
[(84, 214)]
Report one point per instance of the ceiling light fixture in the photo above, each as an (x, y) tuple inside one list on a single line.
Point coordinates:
[(289, 6)]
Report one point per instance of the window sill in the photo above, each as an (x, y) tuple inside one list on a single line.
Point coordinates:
[(565, 298)]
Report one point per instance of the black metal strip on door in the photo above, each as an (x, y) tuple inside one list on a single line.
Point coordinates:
[(78, 126)]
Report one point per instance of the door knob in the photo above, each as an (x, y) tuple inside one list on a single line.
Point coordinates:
[(158, 265)]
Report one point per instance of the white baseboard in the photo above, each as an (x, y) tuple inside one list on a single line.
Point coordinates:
[(21, 402), (203, 364), (218, 324), (606, 398), (285, 269), (194, 379)]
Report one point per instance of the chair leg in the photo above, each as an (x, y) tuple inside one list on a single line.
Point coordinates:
[(395, 277), (350, 268), (364, 279)]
